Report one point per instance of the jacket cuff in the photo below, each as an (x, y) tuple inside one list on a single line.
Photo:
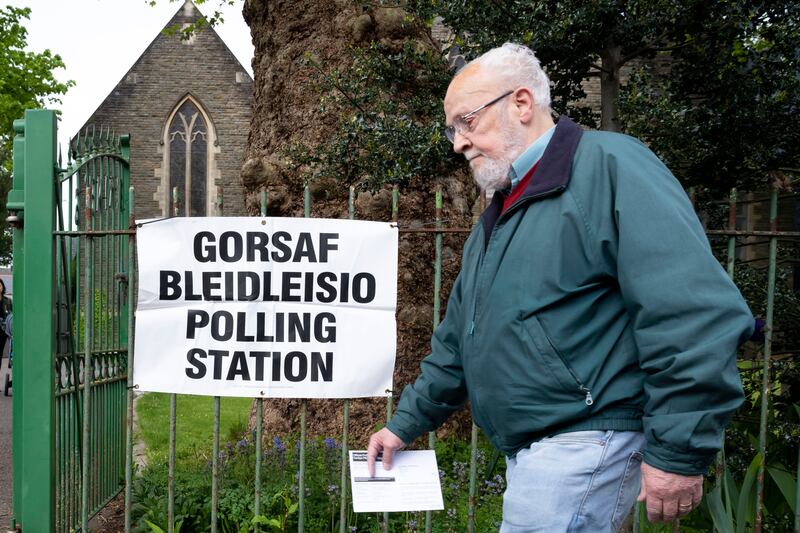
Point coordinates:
[(683, 463), (405, 433)]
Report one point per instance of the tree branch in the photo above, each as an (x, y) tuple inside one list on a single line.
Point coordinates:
[(647, 47), (599, 70)]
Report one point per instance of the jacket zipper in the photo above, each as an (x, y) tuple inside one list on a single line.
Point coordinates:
[(516, 204), (478, 274), (588, 400), (583, 388)]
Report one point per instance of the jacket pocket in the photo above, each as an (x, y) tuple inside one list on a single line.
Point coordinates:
[(554, 362)]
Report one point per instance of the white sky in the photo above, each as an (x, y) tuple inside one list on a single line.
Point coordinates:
[(99, 40)]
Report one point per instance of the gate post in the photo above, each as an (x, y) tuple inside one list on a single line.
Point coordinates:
[(124, 216), (34, 386)]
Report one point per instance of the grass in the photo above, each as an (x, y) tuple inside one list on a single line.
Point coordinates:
[(194, 424)]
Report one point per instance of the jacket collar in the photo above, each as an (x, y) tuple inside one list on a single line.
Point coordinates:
[(552, 172)]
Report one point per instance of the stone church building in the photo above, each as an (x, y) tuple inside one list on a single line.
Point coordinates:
[(187, 106)]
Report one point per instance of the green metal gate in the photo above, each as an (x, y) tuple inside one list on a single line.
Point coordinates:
[(71, 336)]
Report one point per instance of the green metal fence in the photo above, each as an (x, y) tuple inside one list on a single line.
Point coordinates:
[(73, 421)]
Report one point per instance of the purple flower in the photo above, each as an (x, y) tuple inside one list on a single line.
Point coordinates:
[(333, 490), (242, 444), (352, 529), (278, 444), (330, 443)]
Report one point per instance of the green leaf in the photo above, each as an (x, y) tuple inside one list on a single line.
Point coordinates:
[(731, 492), (745, 508), (719, 514), (786, 482), (154, 528)]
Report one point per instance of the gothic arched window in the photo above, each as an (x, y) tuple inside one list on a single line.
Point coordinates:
[(188, 151)]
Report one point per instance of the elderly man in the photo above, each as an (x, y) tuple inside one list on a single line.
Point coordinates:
[(590, 327)]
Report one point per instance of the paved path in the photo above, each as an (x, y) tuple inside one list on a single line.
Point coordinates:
[(5, 450)]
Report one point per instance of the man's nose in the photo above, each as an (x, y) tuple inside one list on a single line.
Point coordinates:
[(460, 143)]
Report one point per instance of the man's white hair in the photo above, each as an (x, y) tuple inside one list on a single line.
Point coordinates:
[(516, 66)]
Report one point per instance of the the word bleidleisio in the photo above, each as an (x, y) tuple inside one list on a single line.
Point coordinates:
[(284, 286)]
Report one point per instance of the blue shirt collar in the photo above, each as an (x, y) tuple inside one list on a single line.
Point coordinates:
[(529, 157)]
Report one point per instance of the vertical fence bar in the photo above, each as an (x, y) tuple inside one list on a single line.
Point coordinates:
[(77, 427), (215, 468), (719, 466), (437, 266), (94, 395), (389, 394), (71, 389), (301, 519), (88, 344), (173, 416), (732, 239), (473, 479), (351, 214), (173, 408), (762, 434), (59, 351), (473, 449), (259, 416), (215, 461), (437, 289), (62, 350), (129, 431)]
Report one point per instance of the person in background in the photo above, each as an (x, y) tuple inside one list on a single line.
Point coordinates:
[(5, 311), (591, 328)]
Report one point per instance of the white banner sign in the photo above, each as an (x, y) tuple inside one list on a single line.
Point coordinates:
[(266, 307)]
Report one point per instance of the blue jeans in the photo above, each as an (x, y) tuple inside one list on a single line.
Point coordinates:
[(584, 481)]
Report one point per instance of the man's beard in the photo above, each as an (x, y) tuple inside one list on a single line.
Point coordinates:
[(494, 173)]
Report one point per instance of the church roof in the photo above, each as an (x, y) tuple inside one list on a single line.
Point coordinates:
[(186, 15)]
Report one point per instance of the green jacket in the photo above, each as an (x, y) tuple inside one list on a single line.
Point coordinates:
[(593, 302)]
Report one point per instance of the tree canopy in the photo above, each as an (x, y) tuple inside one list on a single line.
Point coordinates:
[(715, 84), (727, 113), (26, 82)]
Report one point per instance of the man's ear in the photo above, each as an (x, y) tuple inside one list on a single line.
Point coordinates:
[(524, 102)]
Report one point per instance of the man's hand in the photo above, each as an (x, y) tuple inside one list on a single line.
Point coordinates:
[(669, 496), (382, 441)]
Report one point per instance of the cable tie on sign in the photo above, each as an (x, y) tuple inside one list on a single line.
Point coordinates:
[(153, 221), (418, 226)]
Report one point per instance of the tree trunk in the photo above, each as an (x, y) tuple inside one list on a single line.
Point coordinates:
[(609, 88), (286, 109)]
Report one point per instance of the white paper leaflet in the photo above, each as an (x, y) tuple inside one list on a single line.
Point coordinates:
[(412, 484)]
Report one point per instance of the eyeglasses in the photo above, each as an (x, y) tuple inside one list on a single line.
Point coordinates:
[(463, 124)]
